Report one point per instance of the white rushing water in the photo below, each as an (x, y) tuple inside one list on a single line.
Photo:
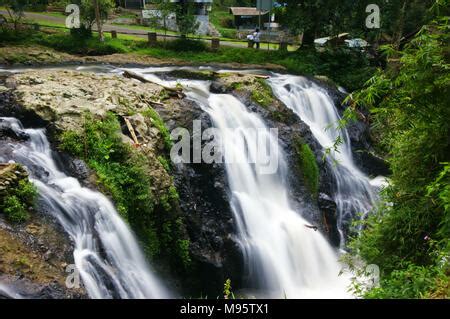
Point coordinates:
[(8, 292), (284, 258), (354, 194), (106, 253)]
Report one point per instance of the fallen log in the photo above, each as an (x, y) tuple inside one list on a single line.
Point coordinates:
[(132, 75)]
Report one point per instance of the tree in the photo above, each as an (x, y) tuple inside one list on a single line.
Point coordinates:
[(98, 19), (315, 18), (186, 20), (166, 8), (88, 12), (409, 234), (15, 9)]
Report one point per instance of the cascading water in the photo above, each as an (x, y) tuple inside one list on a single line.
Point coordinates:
[(354, 193), (106, 254), (7, 292), (284, 257)]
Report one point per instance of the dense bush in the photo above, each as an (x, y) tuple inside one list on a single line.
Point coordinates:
[(185, 45), (122, 171), (409, 104), (15, 205)]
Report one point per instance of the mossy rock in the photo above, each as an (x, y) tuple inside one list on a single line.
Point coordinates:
[(307, 165)]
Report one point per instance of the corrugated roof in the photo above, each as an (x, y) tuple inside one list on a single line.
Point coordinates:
[(246, 11)]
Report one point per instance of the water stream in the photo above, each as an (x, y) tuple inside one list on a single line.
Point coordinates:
[(284, 258), (354, 193), (106, 253)]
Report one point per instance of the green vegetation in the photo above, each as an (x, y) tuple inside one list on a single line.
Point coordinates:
[(88, 14), (194, 75), (307, 165), (223, 21), (227, 292), (63, 41), (159, 124), (349, 68), (164, 162), (15, 210), (324, 18), (123, 172), (17, 201), (409, 236), (262, 93)]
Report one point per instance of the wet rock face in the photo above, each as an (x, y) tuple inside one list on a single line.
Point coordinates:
[(204, 202), (289, 129), (329, 214), (15, 287), (33, 254), (361, 141), (59, 98)]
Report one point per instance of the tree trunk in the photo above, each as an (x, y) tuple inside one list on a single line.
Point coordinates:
[(98, 20), (400, 26)]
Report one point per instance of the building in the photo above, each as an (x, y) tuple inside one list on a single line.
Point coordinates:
[(246, 18), (201, 12)]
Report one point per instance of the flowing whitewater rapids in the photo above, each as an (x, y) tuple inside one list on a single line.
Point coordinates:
[(354, 193), (106, 254), (284, 258)]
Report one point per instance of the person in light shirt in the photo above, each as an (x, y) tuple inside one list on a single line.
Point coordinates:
[(256, 37)]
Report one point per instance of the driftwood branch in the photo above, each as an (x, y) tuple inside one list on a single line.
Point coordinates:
[(130, 74), (132, 132), (155, 103), (243, 74), (260, 76)]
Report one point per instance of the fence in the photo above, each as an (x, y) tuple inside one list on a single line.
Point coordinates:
[(152, 37)]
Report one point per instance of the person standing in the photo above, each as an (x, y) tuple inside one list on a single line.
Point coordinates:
[(256, 37)]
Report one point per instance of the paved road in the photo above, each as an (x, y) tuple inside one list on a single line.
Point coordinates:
[(123, 29)]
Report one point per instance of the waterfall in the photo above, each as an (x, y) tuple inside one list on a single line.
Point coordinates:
[(8, 292), (284, 258), (354, 195), (106, 253)]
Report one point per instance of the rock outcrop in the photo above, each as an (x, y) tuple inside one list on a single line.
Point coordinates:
[(58, 100)]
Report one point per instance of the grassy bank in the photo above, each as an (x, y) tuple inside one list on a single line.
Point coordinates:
[(346, 67)]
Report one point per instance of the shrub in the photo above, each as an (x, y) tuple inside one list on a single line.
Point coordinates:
[(412, 281), (186, 45), (15, 204), (71, 143), (15, 210), (159, 123), (410, 113)]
